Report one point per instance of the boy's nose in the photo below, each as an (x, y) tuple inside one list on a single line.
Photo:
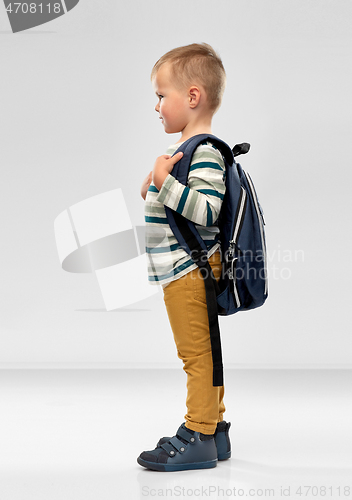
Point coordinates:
[(157, 108)]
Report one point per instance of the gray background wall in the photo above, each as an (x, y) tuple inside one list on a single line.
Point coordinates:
[(78, 119)]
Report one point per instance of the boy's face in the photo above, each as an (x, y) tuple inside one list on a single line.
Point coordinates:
[(173, 103)]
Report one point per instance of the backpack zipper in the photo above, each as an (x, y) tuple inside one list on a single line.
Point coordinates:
[(239, 217), (232, 274), (260, 216)]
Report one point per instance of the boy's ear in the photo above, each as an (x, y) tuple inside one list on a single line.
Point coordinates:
[(194, 96)]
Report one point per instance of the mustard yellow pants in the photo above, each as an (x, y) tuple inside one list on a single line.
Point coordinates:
[(187, 311)]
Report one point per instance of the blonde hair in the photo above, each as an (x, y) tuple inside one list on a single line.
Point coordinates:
[(196, 63)]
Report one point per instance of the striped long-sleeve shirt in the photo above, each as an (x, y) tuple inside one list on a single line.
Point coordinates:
[(199, 201)]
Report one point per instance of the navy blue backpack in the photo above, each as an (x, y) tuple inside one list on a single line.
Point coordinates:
[(243, 284)]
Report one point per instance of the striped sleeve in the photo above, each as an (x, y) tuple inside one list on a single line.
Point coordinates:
[(200, 201)]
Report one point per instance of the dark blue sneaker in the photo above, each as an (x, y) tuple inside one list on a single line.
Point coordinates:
[(222, 440), (185, 451)]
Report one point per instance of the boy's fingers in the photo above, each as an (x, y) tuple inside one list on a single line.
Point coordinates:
[(174, 159)]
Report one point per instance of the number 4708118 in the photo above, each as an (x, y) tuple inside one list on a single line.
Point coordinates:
[(32, 8)]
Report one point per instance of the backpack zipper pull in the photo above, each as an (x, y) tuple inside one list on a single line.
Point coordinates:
[(231, 250)]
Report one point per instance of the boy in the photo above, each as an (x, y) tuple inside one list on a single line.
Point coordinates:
[(189, 83)]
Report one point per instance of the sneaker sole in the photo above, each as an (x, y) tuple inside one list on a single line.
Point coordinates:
[(175, 467)]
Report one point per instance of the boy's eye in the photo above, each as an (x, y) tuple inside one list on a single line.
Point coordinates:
[(160, 96)]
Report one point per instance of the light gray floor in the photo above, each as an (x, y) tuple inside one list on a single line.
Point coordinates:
[(76, 434)]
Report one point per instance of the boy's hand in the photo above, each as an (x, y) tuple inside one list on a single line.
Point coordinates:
[(162, 167), (146, 184)]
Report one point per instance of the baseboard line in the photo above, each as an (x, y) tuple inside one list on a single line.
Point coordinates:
[(171, 366)]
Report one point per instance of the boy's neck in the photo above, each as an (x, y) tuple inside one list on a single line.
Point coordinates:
[(194, 132), (194, 129)]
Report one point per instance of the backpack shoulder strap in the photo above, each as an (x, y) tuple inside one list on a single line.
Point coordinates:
[(181, 168), (189, 238)]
